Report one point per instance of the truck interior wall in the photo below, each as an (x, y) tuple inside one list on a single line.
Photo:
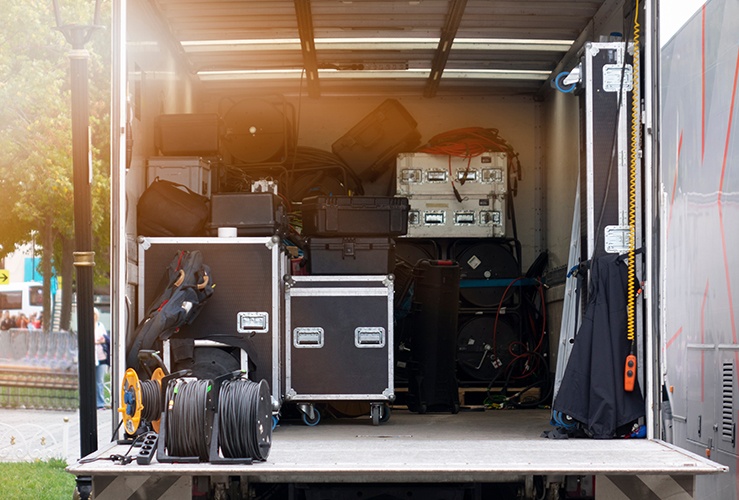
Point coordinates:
[(157, 83), (561, 131), (326, 119)]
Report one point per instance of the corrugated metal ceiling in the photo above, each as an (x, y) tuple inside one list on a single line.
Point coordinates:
[(299, 34)]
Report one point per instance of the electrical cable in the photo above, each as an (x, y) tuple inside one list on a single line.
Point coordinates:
[(635, 101), (240, 433), (119, 459), (474, 141), (151, 398), (630, 364), (186, 418)]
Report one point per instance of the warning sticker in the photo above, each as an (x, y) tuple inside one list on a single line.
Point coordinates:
[(474, 262)]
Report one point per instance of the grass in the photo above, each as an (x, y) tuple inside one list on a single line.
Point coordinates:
[(36, 480)]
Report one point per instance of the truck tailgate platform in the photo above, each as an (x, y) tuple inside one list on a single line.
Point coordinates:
[(474, 446)]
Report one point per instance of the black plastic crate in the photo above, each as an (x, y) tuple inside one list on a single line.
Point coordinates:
[(355, 216), (370, 147), (188, 134), (345, 256), (252, 214)]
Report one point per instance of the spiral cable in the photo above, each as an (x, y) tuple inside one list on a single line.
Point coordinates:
[(635, 101)]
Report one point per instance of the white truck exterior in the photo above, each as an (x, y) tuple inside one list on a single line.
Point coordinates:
[(689, 212)]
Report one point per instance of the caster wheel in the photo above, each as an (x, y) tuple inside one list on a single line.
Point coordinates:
[(385, 413), (312, 422), (375, 411)]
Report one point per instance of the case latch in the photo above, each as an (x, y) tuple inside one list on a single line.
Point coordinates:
[(369, 336), (308, 337), (252, 322)]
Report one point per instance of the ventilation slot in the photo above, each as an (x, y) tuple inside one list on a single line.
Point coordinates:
[(728, 428)]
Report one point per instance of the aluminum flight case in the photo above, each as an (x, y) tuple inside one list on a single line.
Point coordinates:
[(438, 216), (429, 174), (245, 310), (339, 340)]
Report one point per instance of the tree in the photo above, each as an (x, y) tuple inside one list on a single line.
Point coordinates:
[(36, 138)]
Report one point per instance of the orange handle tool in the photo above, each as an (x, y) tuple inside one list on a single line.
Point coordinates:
[(630, 373)]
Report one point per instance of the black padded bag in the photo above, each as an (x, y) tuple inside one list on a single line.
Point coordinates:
[(170, 209)]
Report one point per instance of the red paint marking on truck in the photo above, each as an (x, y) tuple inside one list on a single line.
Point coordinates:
[(720, 204), (674, 183), (674, 337)]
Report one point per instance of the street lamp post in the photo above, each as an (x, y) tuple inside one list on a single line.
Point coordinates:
[(84, 258)]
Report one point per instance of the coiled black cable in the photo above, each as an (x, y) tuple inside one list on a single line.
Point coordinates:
[(151, 399), (245, 430), (187, 434)]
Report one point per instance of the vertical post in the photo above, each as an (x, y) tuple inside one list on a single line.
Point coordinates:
[(84, 257)]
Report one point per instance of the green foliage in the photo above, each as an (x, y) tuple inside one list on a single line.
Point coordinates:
[(35, 125), (36, 480)]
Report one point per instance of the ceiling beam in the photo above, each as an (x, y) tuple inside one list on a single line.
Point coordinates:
[(308, 46), (451, 25)]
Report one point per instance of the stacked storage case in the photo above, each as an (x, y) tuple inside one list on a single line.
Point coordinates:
[(460, 204), (452, 196), (353, 234), (339, 319), (244, 314)]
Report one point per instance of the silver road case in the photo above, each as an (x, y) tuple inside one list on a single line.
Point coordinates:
[(339, 332), (428, 174)]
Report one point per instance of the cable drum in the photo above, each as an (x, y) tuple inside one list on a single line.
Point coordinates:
[(256, 131), (188, 431), (245, 412), (151, 396), (486, 262), (484, 348)]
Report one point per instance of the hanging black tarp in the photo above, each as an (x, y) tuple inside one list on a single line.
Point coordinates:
[(592, 389)]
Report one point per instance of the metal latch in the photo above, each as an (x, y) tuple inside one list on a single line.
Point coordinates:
[(252, 322), (308, 337), (369, 336), (349, 249)]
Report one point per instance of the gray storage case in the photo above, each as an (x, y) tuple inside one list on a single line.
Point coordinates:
[(339, 333), (247, 299)]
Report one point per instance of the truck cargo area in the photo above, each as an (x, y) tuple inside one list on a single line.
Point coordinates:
[(469, 447), (389, 204)]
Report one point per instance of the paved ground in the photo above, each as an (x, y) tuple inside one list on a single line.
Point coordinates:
[(42, 434)]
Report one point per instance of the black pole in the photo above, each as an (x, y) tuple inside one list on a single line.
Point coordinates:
[(84, 257)]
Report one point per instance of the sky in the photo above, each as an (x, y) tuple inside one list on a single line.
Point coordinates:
[(673, 14)]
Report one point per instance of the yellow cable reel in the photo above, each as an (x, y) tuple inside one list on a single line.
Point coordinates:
[(132, 400)]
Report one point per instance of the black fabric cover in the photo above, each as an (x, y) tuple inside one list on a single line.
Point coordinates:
[(187, 286), (170, 209), (592, 389)]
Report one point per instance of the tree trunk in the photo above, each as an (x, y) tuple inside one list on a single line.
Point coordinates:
[(67, 273), (47, 243)]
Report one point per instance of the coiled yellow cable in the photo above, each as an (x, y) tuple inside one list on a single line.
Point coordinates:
[(635, 104)]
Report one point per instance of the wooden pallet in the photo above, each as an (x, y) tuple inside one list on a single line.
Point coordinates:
[(474, 397), (471, 397)]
